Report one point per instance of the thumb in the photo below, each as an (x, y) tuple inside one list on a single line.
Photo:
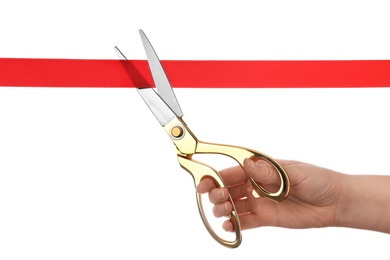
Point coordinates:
[(261, 171)]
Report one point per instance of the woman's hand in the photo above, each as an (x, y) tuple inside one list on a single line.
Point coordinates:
[(312, 202)]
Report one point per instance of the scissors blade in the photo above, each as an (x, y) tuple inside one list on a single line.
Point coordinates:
[(159, 108), (161, 81)]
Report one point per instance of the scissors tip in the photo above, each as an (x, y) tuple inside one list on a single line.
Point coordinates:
[(119, 53)]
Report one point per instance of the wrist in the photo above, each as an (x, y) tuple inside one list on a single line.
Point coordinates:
[(346, 208), (363, 202)]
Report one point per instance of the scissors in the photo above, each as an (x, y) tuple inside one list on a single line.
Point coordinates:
[(163, 104)]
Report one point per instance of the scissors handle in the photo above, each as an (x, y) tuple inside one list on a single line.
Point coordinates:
[(240, 154), (199, 171), (187, 145)]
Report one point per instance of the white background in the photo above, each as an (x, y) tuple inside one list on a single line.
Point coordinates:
[(90, 174)]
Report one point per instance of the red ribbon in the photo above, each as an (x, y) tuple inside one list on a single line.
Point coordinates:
[(195, 74)]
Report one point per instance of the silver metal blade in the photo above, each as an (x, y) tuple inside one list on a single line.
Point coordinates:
[(161, 81), (119, 53), (159, 108)]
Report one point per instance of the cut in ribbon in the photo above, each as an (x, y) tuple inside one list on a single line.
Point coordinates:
[(26, 72)]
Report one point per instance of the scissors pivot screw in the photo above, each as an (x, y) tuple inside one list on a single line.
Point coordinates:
[(177, 131)]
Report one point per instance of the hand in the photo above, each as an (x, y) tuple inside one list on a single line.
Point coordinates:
[(312, 201)]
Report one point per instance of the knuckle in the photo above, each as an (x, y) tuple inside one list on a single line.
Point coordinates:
[(218, 195), (268, 173), (222, 209)]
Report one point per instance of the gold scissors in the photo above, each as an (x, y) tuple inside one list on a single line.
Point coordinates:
[(164, 105)]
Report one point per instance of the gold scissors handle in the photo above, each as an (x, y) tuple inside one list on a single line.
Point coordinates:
[(199, 171), (187, 145), (240, 154)]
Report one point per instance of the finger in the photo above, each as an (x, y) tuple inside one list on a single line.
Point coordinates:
[(249, 205), (243, 206), (218, 195), (228, 225), (262, 172), (233, 176), (240, 191), (206, 185), (222, 209), (250, 220), (247, 221)]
